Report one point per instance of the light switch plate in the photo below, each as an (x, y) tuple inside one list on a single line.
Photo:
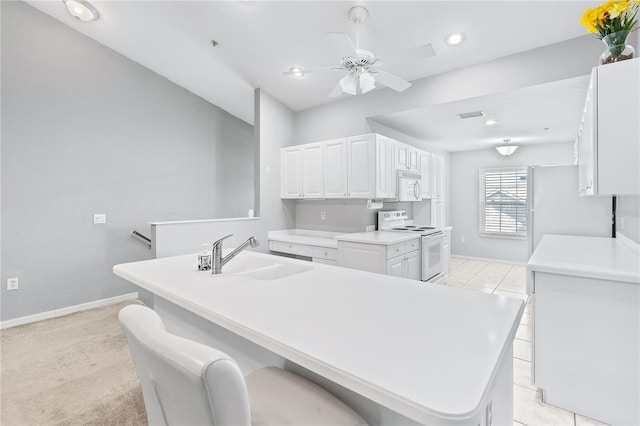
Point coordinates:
[(99, 218)]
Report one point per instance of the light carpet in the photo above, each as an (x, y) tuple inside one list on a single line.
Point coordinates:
[(70, 370)]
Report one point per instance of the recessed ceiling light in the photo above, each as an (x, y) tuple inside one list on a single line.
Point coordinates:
[(81, 10), (455, 39), (296, 72), (490, 122)]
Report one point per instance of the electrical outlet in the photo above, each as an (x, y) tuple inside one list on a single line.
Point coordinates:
[(99, 218), (323, 215), (12, 283), (462, 240)]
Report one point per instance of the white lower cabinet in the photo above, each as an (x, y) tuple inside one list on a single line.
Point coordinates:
[(586, 345), (409, 266), (399, 260)]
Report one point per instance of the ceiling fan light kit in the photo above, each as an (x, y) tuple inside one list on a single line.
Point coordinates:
[(507, 149), (361, 66)]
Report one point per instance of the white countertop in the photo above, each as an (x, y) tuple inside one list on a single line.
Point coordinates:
[(378, 237), (419, 349), (305, 236), (591, 257)]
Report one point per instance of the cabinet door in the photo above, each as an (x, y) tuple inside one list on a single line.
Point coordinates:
[(412, 265), (425, 162), (393, 169), (312, 171), (335, 168), (402, 157), (361, 166), (291, 168), (382, 167), (395, 267), (437, 175), (413, 160)]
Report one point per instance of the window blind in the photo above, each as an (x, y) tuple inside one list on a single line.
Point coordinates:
[(503, 202)]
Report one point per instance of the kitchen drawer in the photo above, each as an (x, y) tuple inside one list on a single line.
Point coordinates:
[(325, 253), (397, 249), (297, 249), (412, 245)]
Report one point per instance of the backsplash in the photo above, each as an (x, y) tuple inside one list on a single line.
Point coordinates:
[(344, 215), (628, 216)]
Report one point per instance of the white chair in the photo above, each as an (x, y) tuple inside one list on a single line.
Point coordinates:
[(188, 383)]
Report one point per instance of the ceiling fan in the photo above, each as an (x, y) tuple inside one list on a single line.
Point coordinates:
[(361, 66)]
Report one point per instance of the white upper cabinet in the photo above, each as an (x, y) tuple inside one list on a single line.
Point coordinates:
[(407, 158), (302, 171), (436, 164), (609, 138), (290, 172), (425, 172), (361, 166), (335, 168), (312, 171)]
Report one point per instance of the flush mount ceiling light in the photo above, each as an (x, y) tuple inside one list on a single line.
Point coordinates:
[(491, 122), (81, 10), (507, 149), (296, 72), (455, 39)]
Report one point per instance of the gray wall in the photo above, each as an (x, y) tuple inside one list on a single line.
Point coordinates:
[(465, 197), (274, 129), (342, 215), (86, 130)]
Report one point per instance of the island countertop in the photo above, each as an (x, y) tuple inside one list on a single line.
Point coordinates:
[(421, 350)]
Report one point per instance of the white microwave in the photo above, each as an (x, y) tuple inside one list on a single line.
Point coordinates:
[(409, 186)]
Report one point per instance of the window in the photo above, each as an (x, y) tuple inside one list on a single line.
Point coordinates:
[(503, 202)]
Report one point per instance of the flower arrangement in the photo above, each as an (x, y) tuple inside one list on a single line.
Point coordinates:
[(611, 17)]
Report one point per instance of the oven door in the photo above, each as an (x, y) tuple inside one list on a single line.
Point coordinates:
[(432, 256)]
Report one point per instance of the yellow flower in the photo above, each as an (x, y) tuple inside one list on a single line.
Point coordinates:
[(620, 8)]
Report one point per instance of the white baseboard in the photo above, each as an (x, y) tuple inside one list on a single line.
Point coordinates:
[(486, 259), (68, 310)]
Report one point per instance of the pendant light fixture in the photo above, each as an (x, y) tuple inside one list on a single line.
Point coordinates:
[(81, 10), (507, 149)]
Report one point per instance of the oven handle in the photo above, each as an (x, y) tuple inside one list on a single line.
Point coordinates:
[(416, 190), (434, 236)]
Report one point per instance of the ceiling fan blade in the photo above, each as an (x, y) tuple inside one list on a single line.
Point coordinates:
[(392, 81), (343, 43), (312, 70), (336, 91)]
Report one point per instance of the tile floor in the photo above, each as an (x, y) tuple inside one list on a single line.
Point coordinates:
[(510, 280)]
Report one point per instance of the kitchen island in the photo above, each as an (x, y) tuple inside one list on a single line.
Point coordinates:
[(397, 351)]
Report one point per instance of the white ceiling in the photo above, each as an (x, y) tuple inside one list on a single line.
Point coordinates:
[(522, 115), (258, 40)]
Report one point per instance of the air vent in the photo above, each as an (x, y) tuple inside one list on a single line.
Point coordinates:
[(471, 114)]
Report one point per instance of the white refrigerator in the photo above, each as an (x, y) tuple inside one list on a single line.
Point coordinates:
[(554, 207)]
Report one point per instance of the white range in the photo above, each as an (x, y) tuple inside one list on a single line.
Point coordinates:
[(431, 241)]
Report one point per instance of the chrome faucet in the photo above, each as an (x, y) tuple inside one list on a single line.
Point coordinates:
[(219, 261)]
